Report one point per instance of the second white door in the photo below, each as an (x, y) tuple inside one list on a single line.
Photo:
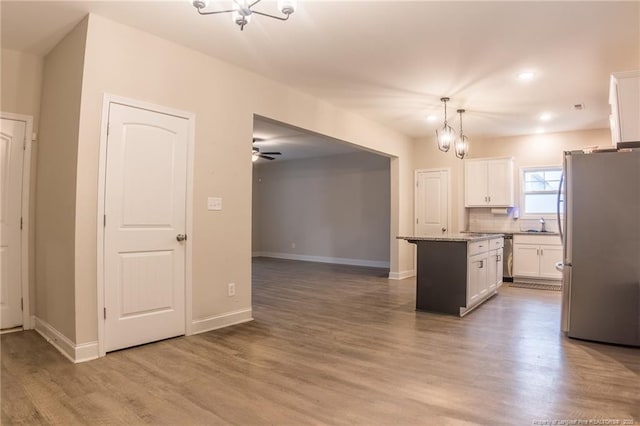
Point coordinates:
[(12, 139), (432, 202), (145, 226)]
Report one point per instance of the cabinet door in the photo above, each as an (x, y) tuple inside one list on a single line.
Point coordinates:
[(500, 182), (477, 278), (526, 262), (499, 266), (549, 256), (475, 175), (492, 271)]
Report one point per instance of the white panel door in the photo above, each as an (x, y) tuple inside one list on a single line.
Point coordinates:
[(12, 137), (145, 209), (432, 202)]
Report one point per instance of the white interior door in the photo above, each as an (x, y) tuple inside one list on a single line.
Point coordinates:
[(12, 139), (432, 202), (145, 212)]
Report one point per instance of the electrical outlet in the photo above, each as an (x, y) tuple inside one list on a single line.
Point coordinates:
[(232, 289), (293, 245)]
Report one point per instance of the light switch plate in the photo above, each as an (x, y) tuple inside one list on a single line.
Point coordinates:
[(214, 203)]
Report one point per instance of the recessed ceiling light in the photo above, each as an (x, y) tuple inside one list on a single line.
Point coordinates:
[(526, 75), (545, 116), (431, 117)]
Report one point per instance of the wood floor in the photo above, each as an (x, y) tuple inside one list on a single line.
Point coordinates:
[(337, 345)]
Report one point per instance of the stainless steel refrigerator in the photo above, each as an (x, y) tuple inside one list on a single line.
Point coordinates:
[(601, 237)]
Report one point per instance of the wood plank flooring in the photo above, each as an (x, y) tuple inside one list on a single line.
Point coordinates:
[(336, 345)]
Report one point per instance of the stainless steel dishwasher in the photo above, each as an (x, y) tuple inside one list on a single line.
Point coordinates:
[(507, 265)]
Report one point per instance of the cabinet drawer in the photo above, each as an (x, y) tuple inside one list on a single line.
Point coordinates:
[(496, 243), (537, 239), (477, 247)]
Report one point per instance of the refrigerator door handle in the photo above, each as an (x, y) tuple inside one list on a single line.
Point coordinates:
[(558, 208)]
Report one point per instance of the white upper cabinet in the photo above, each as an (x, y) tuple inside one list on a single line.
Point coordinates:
[(624, 101), (489, 182)]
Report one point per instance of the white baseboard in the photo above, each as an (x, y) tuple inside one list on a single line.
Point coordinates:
[(219, 321), (402, 275), (323, 259), (75, 353)]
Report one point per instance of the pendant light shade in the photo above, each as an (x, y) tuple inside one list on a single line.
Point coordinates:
[(445, 136), (462, 143)]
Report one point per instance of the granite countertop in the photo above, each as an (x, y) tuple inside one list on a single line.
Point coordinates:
[(510, 232), (452, 237)]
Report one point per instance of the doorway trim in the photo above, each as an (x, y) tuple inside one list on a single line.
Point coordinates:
[(27, 322), (415, 195), (108, 99)]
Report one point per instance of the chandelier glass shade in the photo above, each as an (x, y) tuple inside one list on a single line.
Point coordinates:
[(462, 143), (445, 136), (242, 10)]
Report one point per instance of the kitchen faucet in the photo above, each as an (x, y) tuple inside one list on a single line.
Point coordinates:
[(543, 226)]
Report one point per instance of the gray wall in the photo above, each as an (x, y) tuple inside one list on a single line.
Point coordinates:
[(331, 208)]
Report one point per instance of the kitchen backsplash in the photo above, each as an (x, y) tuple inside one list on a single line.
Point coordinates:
[(483, 220)]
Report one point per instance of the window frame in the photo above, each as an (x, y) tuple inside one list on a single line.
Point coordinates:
[(523, 192)]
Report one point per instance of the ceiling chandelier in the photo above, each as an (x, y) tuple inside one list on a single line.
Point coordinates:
[(445, 136), (242, 11), (462, 143)]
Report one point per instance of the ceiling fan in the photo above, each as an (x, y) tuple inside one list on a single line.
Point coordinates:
[(266, 155)]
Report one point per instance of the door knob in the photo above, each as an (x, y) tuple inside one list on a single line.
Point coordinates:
[(181, 237), (444, 230)]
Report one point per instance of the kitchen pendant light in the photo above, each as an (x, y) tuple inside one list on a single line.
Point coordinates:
[(462, 143), (445, 136)]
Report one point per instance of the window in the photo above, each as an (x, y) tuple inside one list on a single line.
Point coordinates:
[(540, 190)]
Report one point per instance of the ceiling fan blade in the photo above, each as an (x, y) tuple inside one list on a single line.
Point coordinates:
[(271, 153), (266, 157)]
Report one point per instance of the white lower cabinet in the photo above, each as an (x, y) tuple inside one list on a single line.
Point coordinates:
[(484, 269), (549, 256), (494, 269), (477, 278), (535, 256)]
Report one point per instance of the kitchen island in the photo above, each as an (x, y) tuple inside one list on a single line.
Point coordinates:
[(457, 272)]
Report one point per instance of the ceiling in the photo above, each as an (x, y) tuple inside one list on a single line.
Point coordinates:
[(391, 61), (294, 143)]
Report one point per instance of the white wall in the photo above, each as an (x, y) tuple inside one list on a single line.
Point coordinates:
[(21, 75), (128, 62), (21, 84), (332, 208), (57, 178)]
